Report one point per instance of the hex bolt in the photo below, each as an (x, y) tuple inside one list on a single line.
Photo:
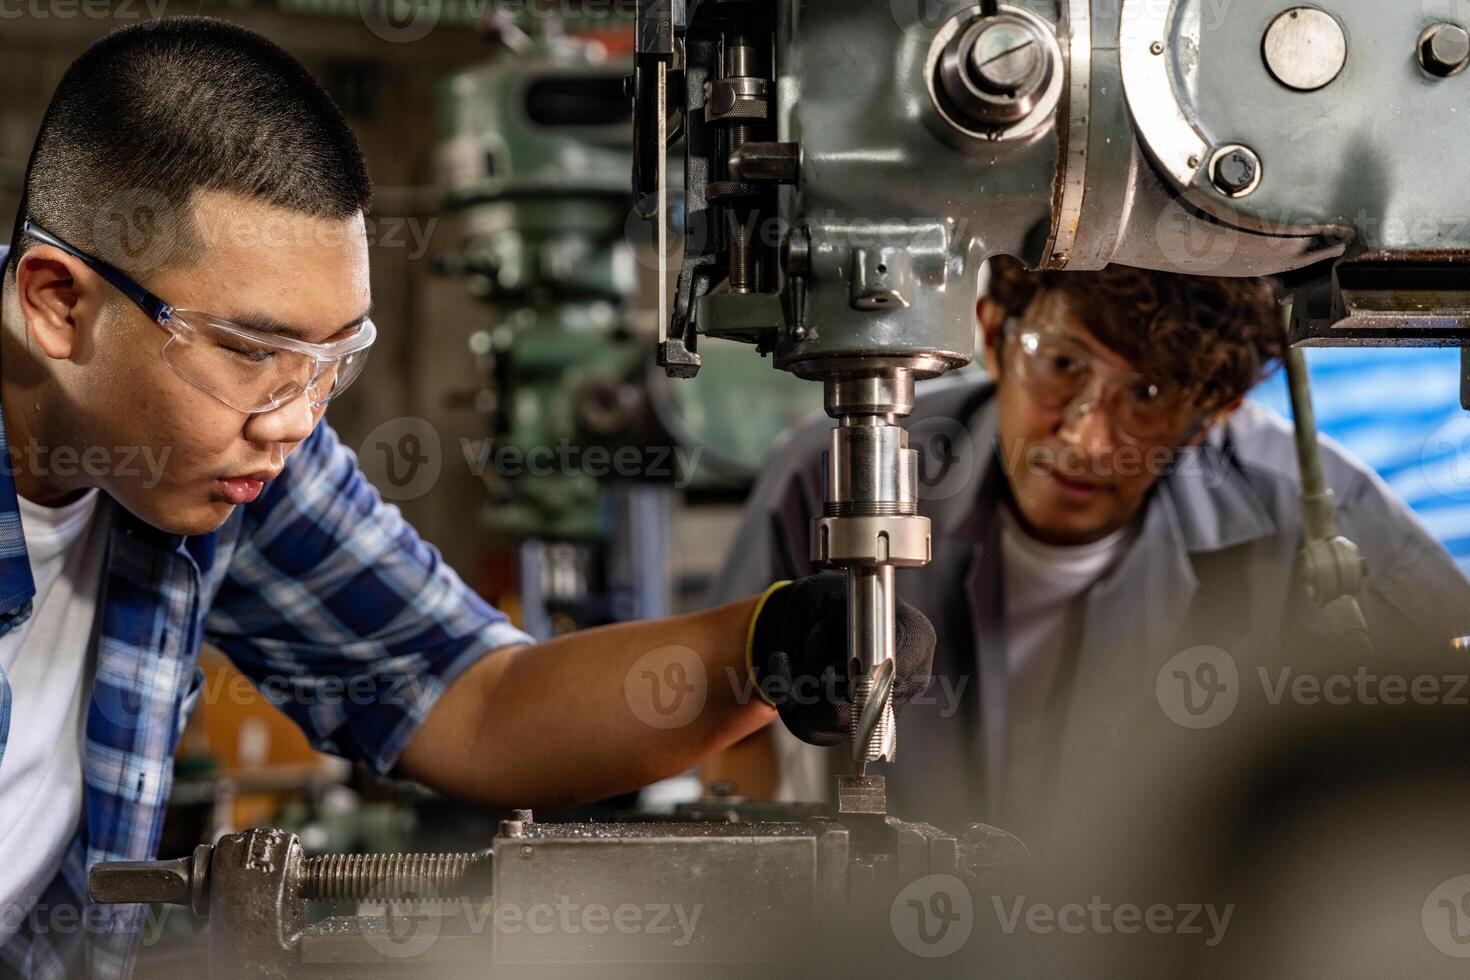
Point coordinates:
[(1444, 50), (388, 877), (1235, 170)]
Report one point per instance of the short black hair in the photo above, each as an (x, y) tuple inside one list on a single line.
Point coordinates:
[(155, 111)]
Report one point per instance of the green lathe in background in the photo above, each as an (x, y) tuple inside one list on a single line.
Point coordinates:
[(588, 441)]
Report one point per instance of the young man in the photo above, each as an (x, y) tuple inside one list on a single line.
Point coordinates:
[(163, 384), (1102, 504)]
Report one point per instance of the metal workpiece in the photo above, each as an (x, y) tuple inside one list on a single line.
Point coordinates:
[(862, 795)]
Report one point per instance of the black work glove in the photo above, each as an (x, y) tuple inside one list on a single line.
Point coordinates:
[(798, 656)]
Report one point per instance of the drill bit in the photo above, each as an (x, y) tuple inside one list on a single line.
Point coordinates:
[(872, 732)]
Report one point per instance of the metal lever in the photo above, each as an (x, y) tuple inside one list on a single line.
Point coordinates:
[(183, 881), (1332, 566)]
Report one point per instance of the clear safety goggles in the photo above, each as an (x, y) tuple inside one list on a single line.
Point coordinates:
[(249, 370), (1062, 374)]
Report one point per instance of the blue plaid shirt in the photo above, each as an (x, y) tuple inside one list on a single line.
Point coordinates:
[(319, 591)]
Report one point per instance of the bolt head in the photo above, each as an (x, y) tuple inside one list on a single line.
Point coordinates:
[(1444, 50), (1236, 171)]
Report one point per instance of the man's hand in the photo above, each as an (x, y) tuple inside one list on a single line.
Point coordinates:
[(558, 722), (798, 655)]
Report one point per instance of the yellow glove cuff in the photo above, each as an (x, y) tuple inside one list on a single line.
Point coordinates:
[(750, 637)]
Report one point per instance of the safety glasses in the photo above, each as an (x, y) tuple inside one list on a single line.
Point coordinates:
[(249, 370), (1063, 375)]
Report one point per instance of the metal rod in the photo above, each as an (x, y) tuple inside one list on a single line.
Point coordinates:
[(661, 231), (396, 877), (1333, 565), (1318, 512)]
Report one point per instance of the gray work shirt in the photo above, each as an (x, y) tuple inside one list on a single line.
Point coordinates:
[(1213, 564)]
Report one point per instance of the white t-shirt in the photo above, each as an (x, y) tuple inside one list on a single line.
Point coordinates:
[(1043, 585), (49, 664)]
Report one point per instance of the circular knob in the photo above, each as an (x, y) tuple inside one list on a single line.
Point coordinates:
[(1305, 48), (995, 71), (1005, 57)]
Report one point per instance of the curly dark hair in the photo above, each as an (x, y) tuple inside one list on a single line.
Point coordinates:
[(1212, 339)]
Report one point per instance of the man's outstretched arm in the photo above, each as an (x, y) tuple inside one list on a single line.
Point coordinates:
[(591, 714), (357, 629), (607, 710)]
